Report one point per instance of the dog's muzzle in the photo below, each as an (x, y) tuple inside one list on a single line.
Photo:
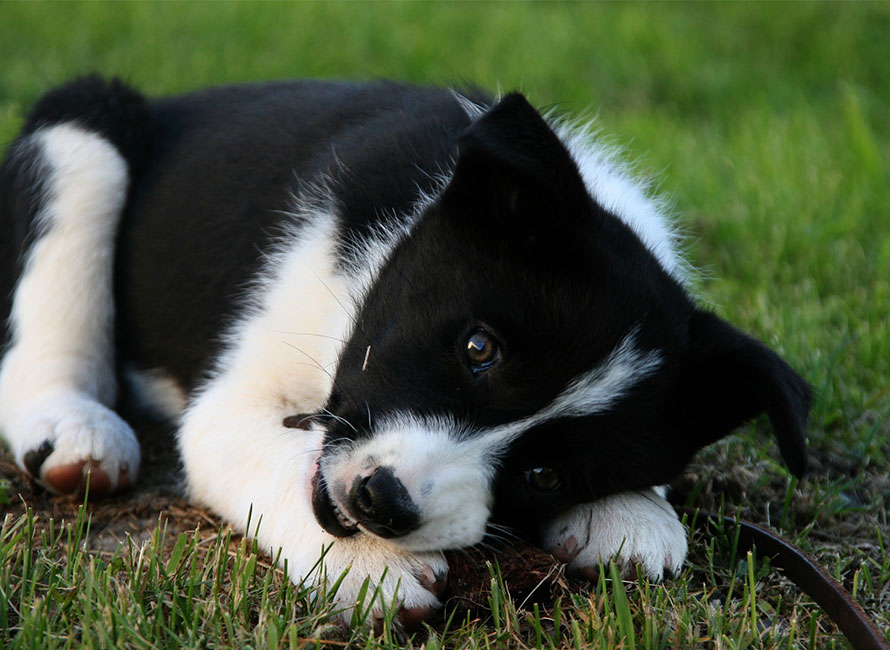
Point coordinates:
[(326, 512), (378, 503)]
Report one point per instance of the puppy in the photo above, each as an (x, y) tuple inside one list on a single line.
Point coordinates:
[(386, 319)]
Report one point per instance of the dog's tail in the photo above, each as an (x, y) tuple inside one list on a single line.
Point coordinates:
[(65, 154), (107, 109)]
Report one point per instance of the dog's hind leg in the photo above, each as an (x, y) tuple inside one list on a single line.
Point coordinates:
[(62, 190)]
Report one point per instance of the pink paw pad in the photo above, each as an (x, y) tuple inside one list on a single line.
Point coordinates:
[(73, 478)]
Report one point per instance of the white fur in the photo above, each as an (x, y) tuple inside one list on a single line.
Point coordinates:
[(57, 378), (634, 528)]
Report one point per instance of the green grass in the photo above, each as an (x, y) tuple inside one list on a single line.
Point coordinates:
[(767, 126), (205, 589)]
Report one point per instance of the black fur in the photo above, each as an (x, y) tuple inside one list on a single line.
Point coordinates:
[(110, 108), (175, 294)]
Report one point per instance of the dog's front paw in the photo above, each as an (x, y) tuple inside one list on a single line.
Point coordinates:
[(637, 529), (408, 582), (68, 441)]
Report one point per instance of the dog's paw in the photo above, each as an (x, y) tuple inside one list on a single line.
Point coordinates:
[(68, 441), (636, 529), (408, 583)]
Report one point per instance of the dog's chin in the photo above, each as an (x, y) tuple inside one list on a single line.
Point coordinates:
[(327, 514)]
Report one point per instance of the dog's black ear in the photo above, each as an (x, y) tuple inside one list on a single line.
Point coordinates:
[(511, 162), (730, 378)]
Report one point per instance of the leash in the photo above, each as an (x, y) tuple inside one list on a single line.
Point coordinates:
[(806, 573)]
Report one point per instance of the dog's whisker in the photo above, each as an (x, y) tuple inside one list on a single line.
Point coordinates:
[(311, 358), (306, 452), (504, 530), (311, 365), (500, 535), (292, 423), (464, 551), (336, 442), (340, 419), (349, 313), (496, 526), (488, 547), (494, 543), (322, 336), (500, 538), (313, 450)]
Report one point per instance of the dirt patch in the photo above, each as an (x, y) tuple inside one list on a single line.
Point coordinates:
[(157, 497)]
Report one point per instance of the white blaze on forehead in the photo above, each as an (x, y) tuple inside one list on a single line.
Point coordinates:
[(593, 392), (599, 389)]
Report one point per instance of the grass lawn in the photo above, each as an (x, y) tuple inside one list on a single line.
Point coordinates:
[(766, 124)]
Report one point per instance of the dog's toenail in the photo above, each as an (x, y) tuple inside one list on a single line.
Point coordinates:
[(567, 550), (412, 618), (433, 581), (428, 576), (592, 573)]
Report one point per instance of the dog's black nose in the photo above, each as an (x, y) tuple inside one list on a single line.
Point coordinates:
[(382, 505)]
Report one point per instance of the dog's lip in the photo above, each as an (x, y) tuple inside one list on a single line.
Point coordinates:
[(326, 512)]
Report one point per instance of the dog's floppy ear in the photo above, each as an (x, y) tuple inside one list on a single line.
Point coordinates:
[(730, 378), (510, 161)]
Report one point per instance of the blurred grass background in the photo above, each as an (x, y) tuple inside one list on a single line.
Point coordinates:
[(767, 124)]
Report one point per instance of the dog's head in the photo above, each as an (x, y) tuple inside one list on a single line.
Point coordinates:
[(524, 351)]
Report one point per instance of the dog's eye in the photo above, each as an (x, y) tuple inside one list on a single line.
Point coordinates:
[(545, 479), (483, 351)]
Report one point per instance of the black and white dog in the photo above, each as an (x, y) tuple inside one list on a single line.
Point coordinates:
[(386, 317)]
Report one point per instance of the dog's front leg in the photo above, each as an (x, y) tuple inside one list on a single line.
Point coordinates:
[(635, 528), (241, 461)]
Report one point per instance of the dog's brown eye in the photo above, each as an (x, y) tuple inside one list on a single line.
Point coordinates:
[(483, 351), (545, 479)]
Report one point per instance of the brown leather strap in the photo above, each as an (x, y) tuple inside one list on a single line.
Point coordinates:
[(807, 574)]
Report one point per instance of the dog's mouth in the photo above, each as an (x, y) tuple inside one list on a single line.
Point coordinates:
[(327, 513)]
